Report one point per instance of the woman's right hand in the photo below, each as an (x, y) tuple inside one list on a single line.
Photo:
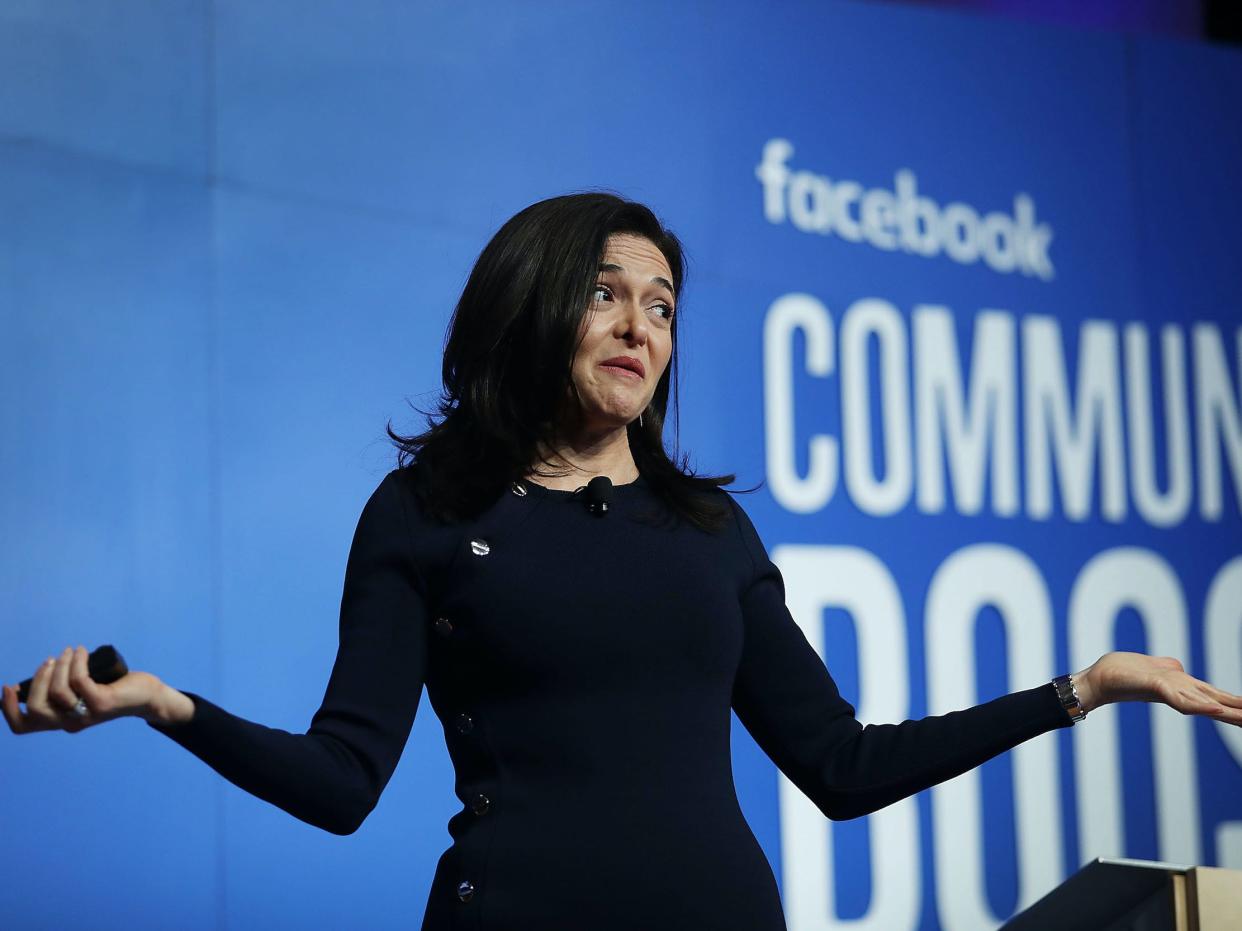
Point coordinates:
[(61, 681)]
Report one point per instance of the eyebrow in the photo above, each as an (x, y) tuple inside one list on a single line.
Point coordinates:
[(662, 282)]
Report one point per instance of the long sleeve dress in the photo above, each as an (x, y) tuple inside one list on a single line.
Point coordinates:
[(583, 669)]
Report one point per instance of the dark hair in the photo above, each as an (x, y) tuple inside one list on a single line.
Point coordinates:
[(508, 362)]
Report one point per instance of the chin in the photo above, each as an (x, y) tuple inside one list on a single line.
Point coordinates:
[(615, 416), (611, 421)]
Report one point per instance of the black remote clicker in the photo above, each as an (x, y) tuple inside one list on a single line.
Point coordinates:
[(104, 665)]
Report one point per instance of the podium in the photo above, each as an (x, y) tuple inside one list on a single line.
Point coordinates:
[(1138, 895)]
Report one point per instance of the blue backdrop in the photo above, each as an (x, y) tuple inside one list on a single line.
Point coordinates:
[(962, 294)]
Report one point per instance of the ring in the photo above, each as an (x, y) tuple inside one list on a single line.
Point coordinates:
[(79, 710)]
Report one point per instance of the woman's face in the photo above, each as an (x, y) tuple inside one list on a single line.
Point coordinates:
[(626, 334)]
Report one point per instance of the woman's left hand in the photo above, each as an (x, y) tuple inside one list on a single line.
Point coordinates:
[(1120, 676)]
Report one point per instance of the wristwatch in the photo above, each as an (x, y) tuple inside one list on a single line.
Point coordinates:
[(1069, 698)]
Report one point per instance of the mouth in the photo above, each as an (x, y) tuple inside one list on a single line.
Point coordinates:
[(624, 366)]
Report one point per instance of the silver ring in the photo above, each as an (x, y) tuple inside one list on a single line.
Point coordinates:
[(79, 710)]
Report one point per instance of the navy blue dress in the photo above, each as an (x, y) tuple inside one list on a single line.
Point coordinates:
[(583, 669)]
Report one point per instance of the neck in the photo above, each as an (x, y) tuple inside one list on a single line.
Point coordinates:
[(582, 457)]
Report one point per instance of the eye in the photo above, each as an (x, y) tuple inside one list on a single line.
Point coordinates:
[(601, 289), (665, 311)]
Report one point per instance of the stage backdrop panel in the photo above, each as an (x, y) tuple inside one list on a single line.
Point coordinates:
[(962, 301), (107, 509)]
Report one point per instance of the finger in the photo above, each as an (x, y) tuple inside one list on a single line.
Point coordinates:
[(1229, 705), (36, 698), (1200, 705), (1189, 705), (80, 677), (12, 711), (1225, 698), (1218, 698), (1210, 691), (80, 681), (1228, 716), (39, 714), (1186, 698), (59, 694)]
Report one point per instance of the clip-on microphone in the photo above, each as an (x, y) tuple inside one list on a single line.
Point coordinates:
[(598, 494)]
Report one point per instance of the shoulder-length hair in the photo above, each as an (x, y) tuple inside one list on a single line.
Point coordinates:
[(508, 361)]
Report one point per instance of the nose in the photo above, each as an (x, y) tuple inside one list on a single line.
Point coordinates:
[(632, 324)]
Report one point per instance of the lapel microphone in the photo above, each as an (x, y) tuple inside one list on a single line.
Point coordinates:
[(598, 494)]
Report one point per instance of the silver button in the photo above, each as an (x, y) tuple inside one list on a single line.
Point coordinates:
[(479, 547), (518, 489), (444, 627), (480, 804), (465, 890)]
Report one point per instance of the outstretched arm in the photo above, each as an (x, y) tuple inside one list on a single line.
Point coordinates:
[(790, 704), (332, 775)]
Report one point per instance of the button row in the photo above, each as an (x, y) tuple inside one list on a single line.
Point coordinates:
[(480, 804)]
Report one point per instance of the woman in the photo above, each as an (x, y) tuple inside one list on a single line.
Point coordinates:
[(583, 662)]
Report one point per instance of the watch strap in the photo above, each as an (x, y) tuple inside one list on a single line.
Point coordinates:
[(1068, 695)]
